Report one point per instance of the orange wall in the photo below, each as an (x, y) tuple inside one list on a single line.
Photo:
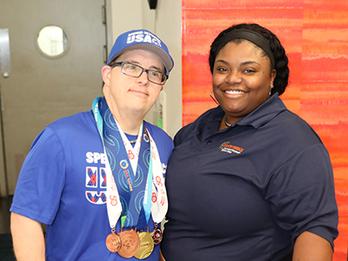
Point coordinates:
[(315, 35)]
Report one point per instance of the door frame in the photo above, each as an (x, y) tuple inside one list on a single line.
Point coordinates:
[(5, 64), (3, 173)]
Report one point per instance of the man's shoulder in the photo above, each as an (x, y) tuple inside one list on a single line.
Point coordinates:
[(156, 132), (72, 122), (163, 141), (79, 126)]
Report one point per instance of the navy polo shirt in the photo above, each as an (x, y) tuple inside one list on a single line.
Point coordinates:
[(246, 192)]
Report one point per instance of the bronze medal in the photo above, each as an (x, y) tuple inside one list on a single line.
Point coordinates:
[(146, 245), (129, 243), (113, 242), (157, 235)]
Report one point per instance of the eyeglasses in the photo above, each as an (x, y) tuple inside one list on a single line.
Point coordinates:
[(135, 71)]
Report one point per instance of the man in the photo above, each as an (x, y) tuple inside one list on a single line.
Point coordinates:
[(95, 179)]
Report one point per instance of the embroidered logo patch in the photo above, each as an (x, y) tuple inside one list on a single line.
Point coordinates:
[(229, 148)]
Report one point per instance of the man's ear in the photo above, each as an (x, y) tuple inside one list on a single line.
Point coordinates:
[(106, 74)]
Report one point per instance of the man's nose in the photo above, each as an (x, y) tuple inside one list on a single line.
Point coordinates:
[(144, 78)]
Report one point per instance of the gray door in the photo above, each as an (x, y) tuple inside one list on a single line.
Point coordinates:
[(42, 88)]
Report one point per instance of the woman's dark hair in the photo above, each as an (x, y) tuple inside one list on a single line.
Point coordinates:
[(279, 55)]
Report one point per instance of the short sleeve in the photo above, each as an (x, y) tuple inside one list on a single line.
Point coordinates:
[(41, 179), (302, 194)]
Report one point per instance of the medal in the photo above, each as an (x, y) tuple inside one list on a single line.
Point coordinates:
[(113, 242), (157, 235), (129, 243), (146, 245)]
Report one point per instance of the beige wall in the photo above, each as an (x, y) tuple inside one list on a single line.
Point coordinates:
[(165, 22)]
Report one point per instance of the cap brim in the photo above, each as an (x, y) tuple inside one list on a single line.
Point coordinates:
[(166, 59)]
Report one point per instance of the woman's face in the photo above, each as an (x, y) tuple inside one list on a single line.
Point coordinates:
[(242, 78)]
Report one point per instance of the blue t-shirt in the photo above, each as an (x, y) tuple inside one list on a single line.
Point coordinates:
[(246, 192), (62, 184)]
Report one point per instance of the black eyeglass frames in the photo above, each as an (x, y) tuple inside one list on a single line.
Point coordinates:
[(135, 71)]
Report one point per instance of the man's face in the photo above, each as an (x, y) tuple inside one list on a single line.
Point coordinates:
[(127, 94)]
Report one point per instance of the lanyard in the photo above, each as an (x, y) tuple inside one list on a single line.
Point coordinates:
[(133, 152), (155, 198)]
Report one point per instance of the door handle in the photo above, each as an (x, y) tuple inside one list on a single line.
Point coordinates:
[(5, 60)]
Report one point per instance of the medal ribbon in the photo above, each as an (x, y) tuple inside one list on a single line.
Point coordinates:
[(159, 206), (114, 208), (111, 133), (130, 182)]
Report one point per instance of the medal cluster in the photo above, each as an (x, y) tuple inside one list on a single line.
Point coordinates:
[(132, 243)]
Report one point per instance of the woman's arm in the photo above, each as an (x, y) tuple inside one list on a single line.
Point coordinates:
[(311, 247), (28, 238), (161, 257)]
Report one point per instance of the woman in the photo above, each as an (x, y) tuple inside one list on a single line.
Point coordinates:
[(249, 180)]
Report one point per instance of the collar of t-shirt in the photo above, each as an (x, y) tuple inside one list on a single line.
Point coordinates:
[(132, 138)]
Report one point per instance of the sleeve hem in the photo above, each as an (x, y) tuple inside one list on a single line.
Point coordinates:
[(31, 214), (323, 233)]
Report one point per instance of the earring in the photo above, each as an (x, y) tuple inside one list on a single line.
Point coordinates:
[(270, 90)]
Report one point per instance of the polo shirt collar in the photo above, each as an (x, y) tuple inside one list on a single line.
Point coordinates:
[(264, 113), (260, 116)]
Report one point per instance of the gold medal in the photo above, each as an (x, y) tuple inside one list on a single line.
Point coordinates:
[(157, 235), (146, 245), (113, 242), (129, 243)]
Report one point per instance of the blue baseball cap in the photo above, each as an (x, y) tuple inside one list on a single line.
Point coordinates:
[(145, 40)]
